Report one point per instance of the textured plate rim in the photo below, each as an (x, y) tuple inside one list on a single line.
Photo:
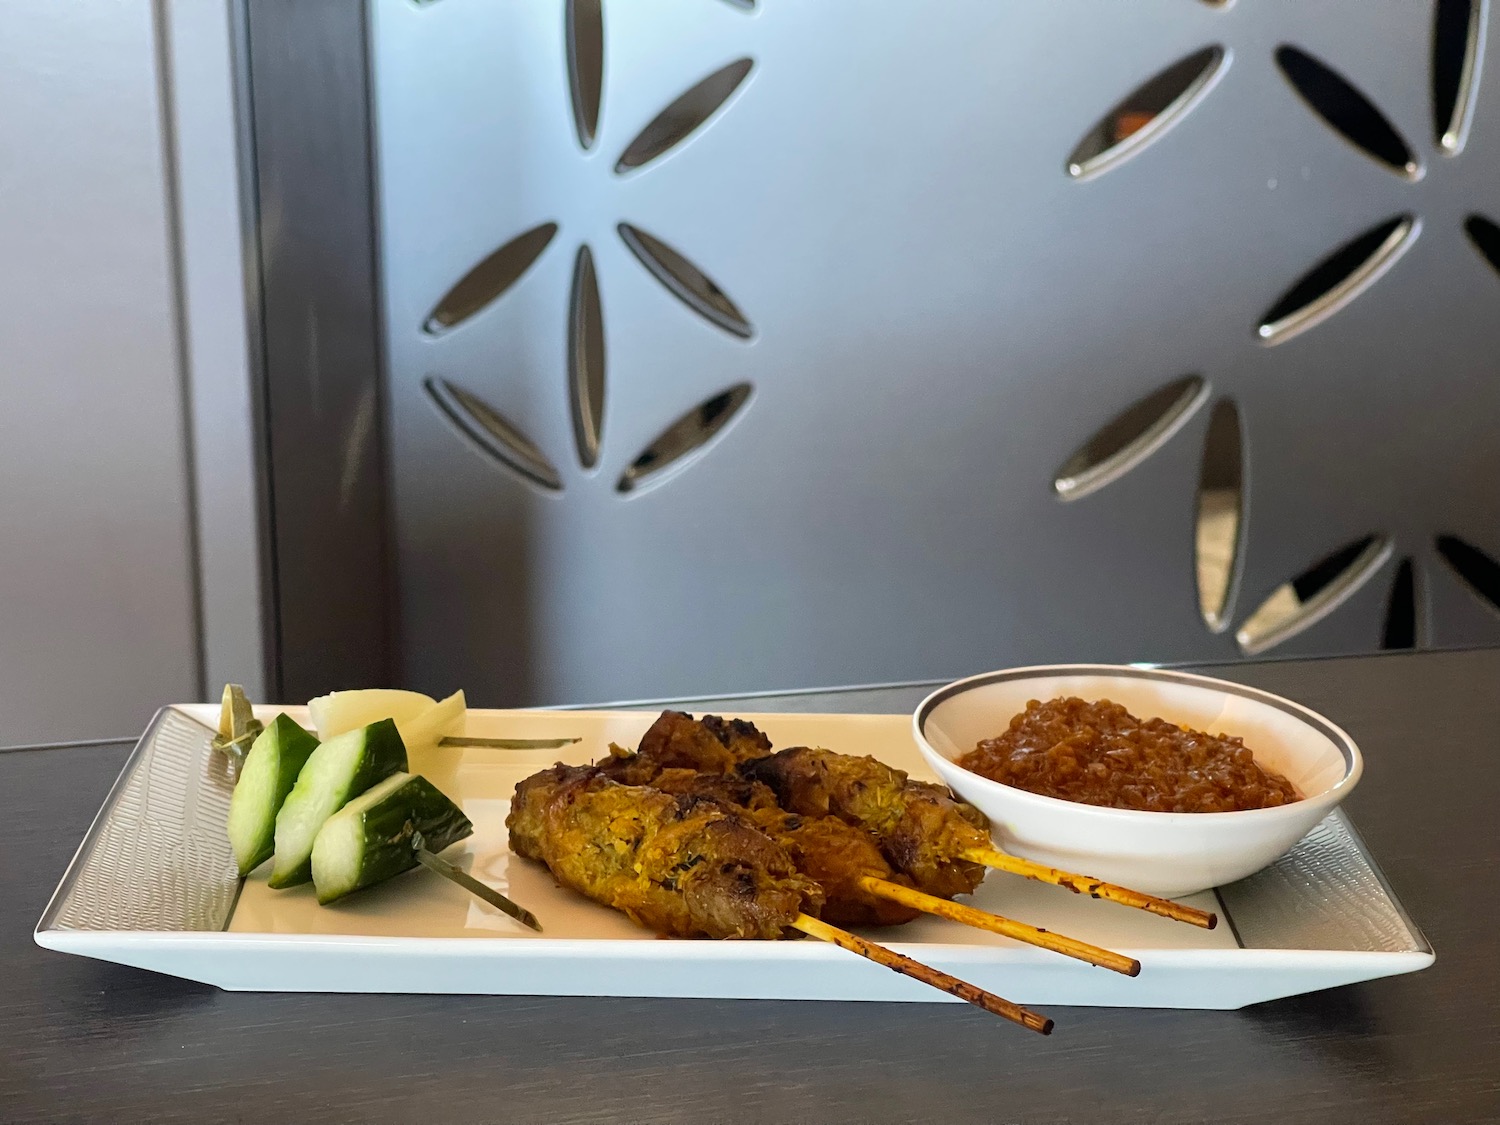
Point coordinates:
[(96, 826)]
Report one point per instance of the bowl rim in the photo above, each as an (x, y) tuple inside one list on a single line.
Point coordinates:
[(1323, 799)]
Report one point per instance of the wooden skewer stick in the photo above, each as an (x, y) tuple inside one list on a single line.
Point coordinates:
[(975, 995), (999, 924), (1094, 888), (474, 886), (507, 743)]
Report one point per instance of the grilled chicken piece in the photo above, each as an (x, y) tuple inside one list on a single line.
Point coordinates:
[(921, 829), (834, 854), (884, 824), (838, 856), (726, 788), (678, 741), (743, 738), (680, 865)]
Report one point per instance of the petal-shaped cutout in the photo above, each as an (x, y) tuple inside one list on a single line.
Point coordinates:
[(685, 439), (1479, 572), (1313, 594), (1147, 112), (1457, 47), (584, 25), (586, 358), (1485, 236), (489, 279), (1130, 437), (684, 116), (1400, 629), (1221, 502), (1348, 112), (1337, 279), (492, 433), (686, 281)]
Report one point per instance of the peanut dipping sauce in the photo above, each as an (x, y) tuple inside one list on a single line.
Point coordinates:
[(1101, 754)]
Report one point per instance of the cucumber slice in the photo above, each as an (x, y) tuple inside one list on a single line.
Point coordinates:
[(339, 770), (373, 837), (343, 711), (276, 758)]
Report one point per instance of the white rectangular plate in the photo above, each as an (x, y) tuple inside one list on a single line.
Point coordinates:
[(154, 885)]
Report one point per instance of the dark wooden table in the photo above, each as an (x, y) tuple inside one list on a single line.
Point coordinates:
[(91, 1042)]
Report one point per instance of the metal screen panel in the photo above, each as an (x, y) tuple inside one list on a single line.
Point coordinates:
[(767, 364)]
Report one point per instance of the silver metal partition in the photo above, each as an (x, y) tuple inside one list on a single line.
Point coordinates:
[(309, 123), (747, 345)]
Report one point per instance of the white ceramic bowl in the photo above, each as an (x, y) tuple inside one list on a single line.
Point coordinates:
[(1161, 853)]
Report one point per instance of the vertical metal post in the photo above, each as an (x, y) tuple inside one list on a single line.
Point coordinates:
[(309, 114)]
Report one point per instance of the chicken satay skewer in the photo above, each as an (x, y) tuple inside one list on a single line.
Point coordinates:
[(931, 837), (691, 868), (858, 882)]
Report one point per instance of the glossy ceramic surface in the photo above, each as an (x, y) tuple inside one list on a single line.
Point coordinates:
[(1163, 853)]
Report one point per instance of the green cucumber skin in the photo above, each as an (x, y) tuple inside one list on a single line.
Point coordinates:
[(298, 875), (417, 806), (293, 746), (384, 754)]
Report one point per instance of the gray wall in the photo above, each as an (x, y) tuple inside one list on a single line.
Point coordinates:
[(97, 618)]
